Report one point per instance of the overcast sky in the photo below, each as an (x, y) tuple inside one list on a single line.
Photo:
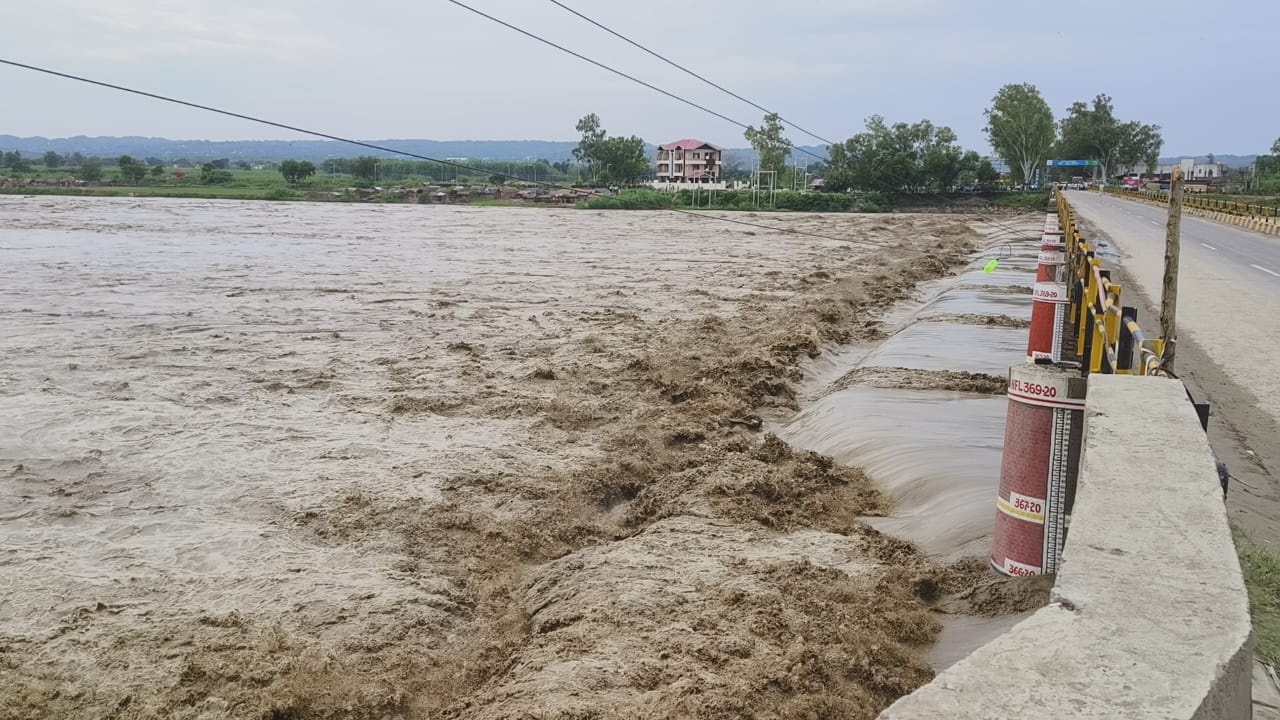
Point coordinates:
[(1206, 72)]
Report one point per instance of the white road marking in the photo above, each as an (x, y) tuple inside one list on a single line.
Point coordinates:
[(1153, 222), (1209, 246), (1269, 272)]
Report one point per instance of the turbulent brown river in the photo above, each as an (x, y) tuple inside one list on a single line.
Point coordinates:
[(296, 461)]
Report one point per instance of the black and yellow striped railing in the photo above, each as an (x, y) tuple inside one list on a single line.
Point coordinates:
[(1107, 334)]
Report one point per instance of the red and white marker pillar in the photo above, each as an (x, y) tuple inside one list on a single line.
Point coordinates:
[(1049, 301), (1039, 469)]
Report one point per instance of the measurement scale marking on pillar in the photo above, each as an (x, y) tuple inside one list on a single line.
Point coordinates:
[(1060, 445)]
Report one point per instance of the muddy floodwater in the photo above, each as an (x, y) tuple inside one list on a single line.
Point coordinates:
[(301, 461)]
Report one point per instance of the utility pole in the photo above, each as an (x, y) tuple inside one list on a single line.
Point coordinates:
[(1169, 295)]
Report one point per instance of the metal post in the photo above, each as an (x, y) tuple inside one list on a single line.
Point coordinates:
[(1124, 359), (1077, 303), (1085, 328), (1169, 296), (1202, 412), (1086, 348), (1108, 330)]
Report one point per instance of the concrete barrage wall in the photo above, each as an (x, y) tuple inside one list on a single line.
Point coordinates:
[(1149, 616)]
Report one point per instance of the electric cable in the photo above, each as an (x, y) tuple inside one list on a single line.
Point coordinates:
[(406, 153)]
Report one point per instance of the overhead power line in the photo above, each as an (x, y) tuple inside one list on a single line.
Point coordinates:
[(669, 94), (395, 151), (597, 63), (687, 71), (617, 72)]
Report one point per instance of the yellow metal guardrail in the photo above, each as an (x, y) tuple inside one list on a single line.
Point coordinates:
[(1260, 218), (1107, 335)]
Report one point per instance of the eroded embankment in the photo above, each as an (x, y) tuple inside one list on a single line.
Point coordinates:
[(683, 566)]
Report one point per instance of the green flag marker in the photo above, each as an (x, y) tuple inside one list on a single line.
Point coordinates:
[(991, 266)]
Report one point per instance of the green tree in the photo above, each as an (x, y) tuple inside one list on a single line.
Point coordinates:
[(1094, 133), (497, 179), (896, 157), (76, 159), (968, 169), (610, 160), (1021, 129), (131, 170), (90, 170), (850, 164), (295, 172), (365, 168), (986, 172), (589, 145), (769, 144), (1275, 147), (52, 160), (940, 156), (157, 171), (11, 158), (885, 158), (211, 174), (1142, 145)]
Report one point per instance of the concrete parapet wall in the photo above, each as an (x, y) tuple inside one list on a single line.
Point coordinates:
[(1149, 616)]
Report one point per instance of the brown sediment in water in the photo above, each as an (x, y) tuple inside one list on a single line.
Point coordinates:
[(970, 587), (642, 549), (976, 319), (1007, 289), (913, 379)]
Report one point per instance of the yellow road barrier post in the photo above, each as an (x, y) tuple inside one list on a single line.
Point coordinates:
[(1112, 324)]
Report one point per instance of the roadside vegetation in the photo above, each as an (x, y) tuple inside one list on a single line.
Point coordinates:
[(1262, 576)]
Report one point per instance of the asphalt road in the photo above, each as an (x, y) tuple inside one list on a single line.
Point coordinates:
[(1228, 286), (1229, 326), (1254, 256)]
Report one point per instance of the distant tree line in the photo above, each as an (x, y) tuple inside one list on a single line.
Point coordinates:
[(884, 156), (374, 170), (615, 160), (1021, 129), (911, 157), (1264, 177)]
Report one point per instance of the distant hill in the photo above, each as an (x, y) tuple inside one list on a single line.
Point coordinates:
[(318, 150), (276, 150)]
